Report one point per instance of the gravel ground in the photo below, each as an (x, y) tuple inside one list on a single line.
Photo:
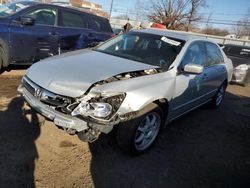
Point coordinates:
[(206, 148)]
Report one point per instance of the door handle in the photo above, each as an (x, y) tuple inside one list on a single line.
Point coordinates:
[(53, 33), (91, 36), (223, 69), (205, 76)]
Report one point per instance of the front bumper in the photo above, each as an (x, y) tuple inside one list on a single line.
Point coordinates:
[(62, 120)]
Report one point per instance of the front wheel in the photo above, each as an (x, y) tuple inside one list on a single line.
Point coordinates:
[(137, 135), (1, 59)]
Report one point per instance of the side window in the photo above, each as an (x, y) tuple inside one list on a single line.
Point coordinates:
[(101, 24), (195, 54), (71, 19), (45, 16), (238, 51), (214, 55)]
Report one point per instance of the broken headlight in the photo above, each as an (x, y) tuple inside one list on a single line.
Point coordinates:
[(103, 106)]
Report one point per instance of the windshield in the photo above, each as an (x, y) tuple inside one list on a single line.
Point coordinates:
[(11, 8), (146, 48)]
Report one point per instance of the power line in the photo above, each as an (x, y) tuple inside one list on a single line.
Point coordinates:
[(223, 23), (230, 21)]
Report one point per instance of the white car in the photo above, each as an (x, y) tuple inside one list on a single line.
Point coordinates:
[(139, 81), (240, 56)]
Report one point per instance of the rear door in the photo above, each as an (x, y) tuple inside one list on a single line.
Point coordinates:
[(38, 41), (215, 70), (101, 28), (73, 29)]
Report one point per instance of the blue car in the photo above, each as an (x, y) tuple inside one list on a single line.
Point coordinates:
[(30, 31)]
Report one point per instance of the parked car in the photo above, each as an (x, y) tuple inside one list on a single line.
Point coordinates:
[(240, 56), (139, 81), (30, 31)]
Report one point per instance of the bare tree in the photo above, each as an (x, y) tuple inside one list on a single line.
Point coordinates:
[(214, 31), (176, 14), (243, 26), (193, 12)]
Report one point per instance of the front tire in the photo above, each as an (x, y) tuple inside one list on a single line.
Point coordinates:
[(1, 59), (137, 135)]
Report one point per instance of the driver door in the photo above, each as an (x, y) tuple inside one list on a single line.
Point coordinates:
[(35, 41), (189, 88)]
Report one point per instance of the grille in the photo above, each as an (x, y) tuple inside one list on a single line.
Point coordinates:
[(58, 102), (28, 86)]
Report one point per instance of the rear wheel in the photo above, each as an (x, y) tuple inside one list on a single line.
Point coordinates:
[(218, 98), (137, 135)]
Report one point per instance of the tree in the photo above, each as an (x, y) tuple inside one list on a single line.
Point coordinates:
[(243, 26), (176, 14), (193, 12), (215, 31)]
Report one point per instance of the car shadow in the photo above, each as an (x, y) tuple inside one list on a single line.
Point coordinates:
[(18, 132), (205, 148), (14, 67)]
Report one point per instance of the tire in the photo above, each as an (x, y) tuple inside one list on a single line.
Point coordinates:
[(1, 59), (218, 98), (137, 135)]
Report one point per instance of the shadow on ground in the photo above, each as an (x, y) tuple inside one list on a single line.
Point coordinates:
[(18, 132), (14, 67), (205, 148)]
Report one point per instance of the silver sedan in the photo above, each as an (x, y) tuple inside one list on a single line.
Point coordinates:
[(139, 81)]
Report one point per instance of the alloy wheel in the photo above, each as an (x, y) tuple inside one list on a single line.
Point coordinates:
[(147, 131), (220, 95)]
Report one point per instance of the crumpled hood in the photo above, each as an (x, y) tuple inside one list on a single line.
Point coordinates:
[(71, 74)]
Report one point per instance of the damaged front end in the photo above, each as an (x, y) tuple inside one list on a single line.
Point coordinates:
[(99, 111), (88, 115)]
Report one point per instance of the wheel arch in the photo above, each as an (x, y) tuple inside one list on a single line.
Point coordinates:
[(5, 47), (164, 105)]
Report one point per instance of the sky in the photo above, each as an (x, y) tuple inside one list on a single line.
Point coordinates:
[(222, 11)]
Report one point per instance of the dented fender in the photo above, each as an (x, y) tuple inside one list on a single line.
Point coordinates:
[(140, 91)]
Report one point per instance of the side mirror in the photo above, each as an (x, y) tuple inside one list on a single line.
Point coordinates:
[(193, 68), (27, 21)]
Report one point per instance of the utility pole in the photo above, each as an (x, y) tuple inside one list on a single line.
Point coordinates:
[(111, 7)]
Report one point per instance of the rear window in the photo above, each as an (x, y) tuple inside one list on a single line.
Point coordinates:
[(237, 51), (101, 24)]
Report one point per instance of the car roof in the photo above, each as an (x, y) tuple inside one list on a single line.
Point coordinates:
[(62, 7), (174, 34)]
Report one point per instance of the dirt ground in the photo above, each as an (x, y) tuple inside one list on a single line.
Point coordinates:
[(206, 148)]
